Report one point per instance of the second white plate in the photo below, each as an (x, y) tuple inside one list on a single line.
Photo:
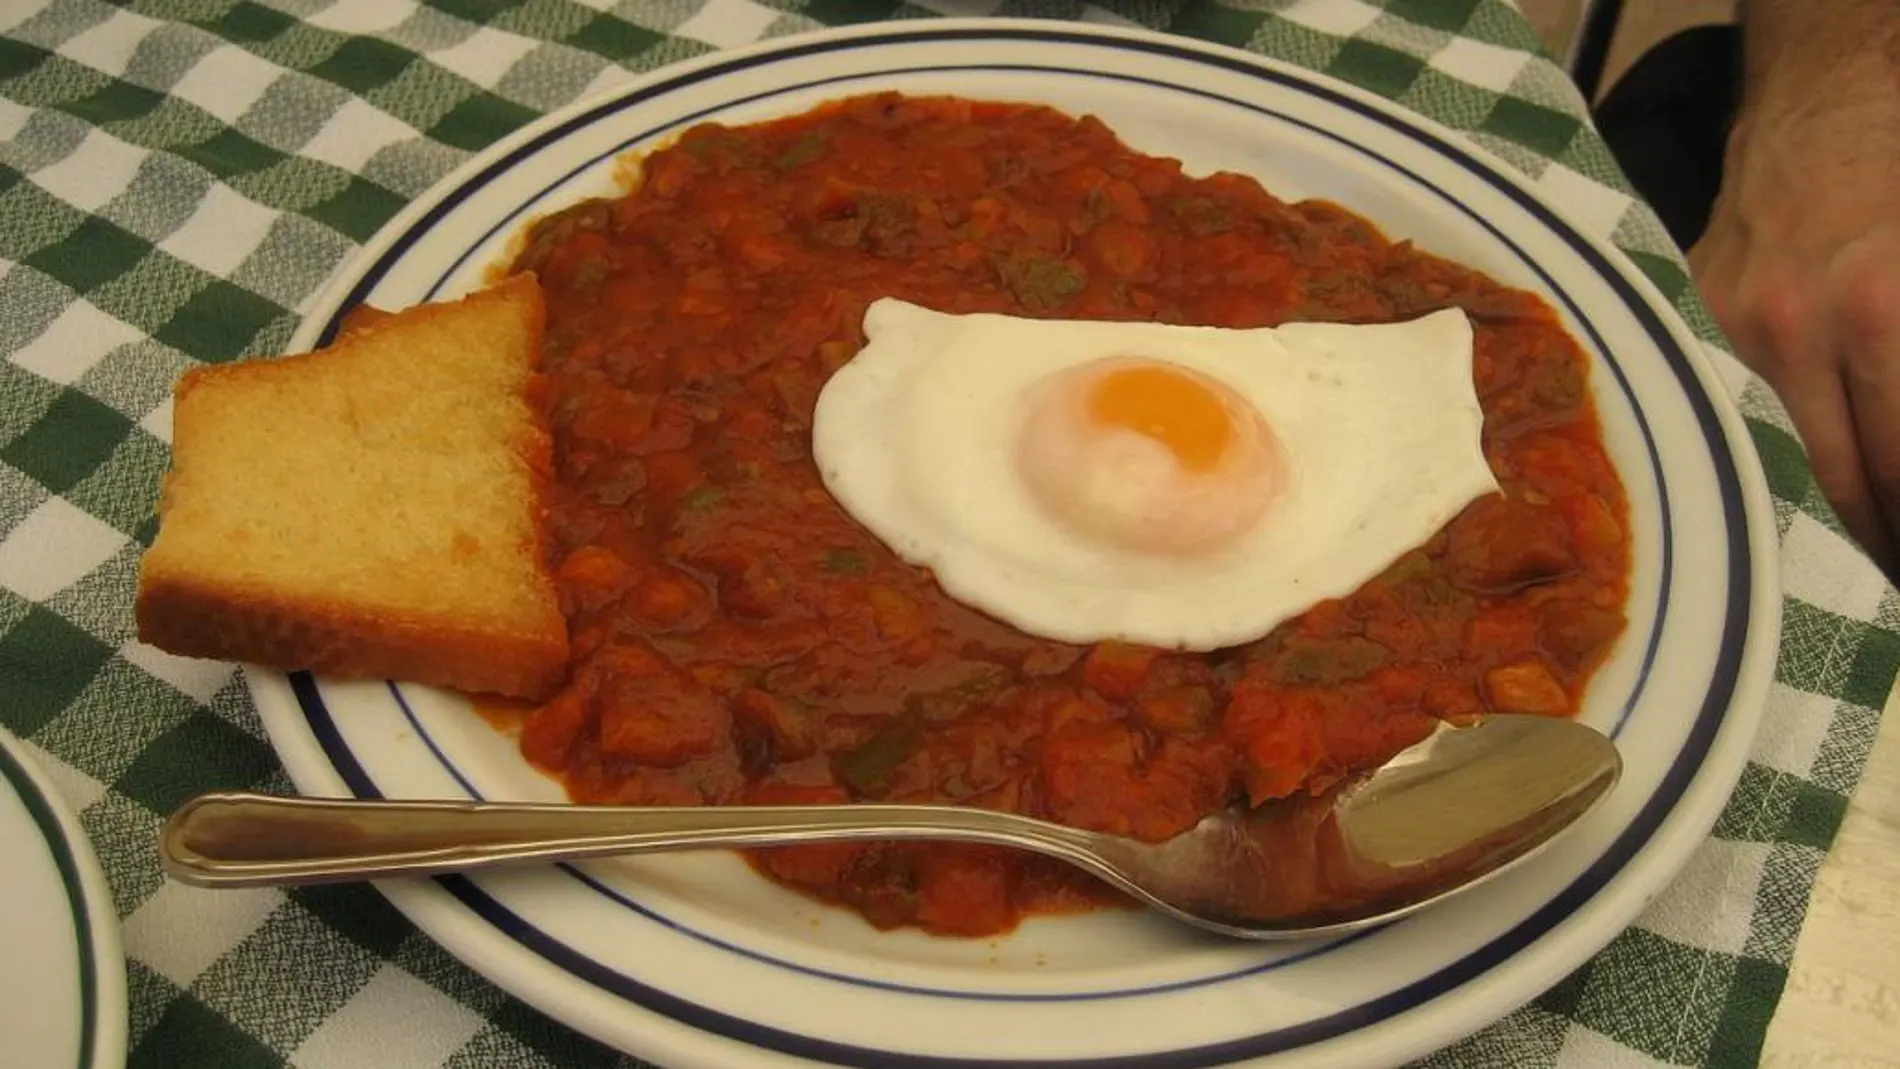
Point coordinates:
[(62, 975)]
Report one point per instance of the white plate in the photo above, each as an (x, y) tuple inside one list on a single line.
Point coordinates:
[(62, 975), (694, 961)]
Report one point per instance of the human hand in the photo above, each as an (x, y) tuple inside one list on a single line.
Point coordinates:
[(1800, 264)]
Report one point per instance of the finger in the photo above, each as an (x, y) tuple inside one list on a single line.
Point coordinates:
[(1875, 531), (1792, 344), (1720, 244), (1700, 256), (1824, 415), (1869, 317), (1711, 265)]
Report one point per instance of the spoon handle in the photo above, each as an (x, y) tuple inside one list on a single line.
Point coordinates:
[(240, 839)]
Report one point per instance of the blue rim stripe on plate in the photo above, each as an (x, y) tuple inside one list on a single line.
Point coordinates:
[(1688, 761), (40, 809), (1666, 540)]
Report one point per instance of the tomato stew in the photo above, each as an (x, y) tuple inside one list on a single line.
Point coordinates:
[(738, 639)]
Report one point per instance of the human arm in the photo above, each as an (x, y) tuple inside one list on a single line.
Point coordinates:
[(1801, 258)]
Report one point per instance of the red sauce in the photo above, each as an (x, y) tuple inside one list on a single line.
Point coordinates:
[(738, 639)]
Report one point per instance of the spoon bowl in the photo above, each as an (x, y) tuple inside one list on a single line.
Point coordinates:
[(1441, 816)]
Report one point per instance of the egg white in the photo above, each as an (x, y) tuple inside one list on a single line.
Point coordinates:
[(1379, 427)]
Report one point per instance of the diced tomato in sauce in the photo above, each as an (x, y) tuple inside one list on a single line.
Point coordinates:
[(739, 639)]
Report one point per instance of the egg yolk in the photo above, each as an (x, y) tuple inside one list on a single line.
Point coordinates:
[(1180, 412), (1147, 456)]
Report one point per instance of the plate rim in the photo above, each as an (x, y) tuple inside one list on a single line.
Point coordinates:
[(103, 1005), (1699, 801)]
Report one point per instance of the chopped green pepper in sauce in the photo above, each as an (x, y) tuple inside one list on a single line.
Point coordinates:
[(748, 644)]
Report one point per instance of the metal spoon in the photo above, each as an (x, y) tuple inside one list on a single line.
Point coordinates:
[(1439, 817)]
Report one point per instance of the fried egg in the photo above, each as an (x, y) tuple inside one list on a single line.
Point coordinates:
[(1182, 487)]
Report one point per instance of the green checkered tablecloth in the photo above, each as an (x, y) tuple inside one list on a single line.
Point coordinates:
[(178, 178)]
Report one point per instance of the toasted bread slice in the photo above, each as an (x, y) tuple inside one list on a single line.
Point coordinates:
[(373, 509)]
